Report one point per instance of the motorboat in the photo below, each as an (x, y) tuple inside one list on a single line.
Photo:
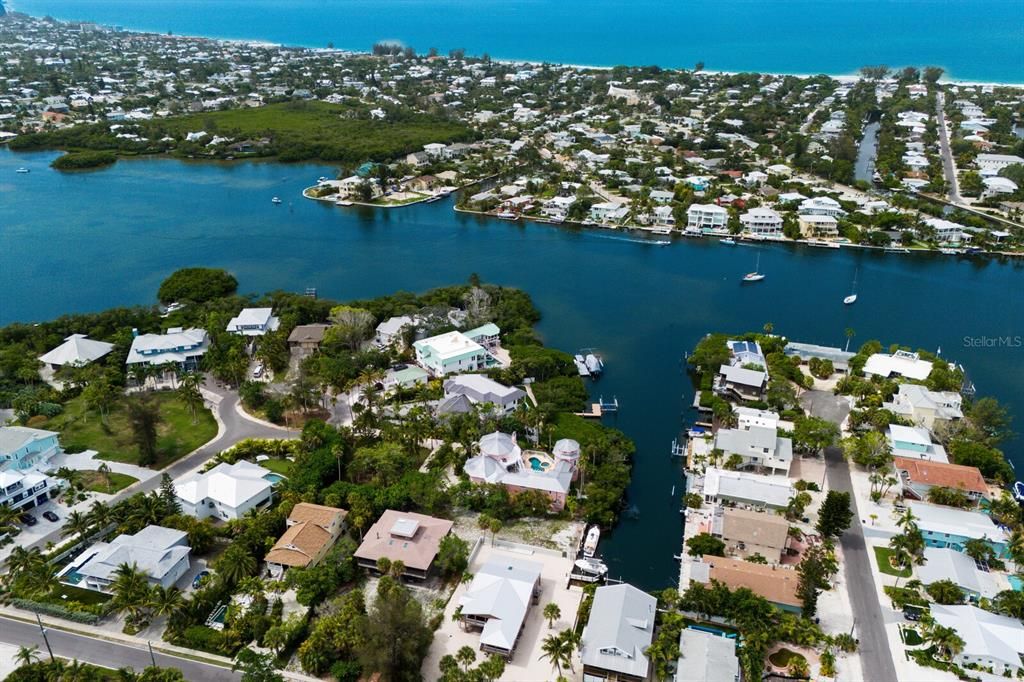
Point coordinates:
[(436, 197), (581, 365), (275, 200), (343, 202), (594, 363), (590, 543), (728, 241), (22, 170), (594, 567)]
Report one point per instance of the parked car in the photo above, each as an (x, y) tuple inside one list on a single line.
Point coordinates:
[(28, 519), (50, 516), (200, 577), (258, 372)]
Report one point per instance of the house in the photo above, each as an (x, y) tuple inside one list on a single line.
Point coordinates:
[(227, 491), (946, 231), (312, 529), (487, 335), (950, 527), (413, 539), (776, 584), (741, 487), (706, 657), (500, 461), (608, 212), (180, 347), (746, 353), (825, 206), (920, 476), (306, 338), (990, 640), (405, 378), (914, 442), (925, 407), (23, 448), (758, 447), (254, 322), (434, 150), (617, 634), (707, 216), (902, 363), (747, 533), (498, 600), (991, 164), (24, 489), (839, 358), (449, 353), (391, 332), (483, 390), (762, 222), (661, 196), (740, 382), (818, 226), (941, 563), (161, 553), (76, 351), (557, 208)]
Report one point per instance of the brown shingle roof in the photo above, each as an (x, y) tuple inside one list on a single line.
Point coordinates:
[(299, 545), (307, 333), (415, 552), (777, 585), (942, 474), (323, 516), (756, 528)]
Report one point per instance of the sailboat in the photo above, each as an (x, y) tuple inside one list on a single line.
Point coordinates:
[(756, 275), (852, 298)]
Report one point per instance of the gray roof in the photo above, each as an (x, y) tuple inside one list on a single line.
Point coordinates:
[(154, 550), (481, 389), (15, 437), (501, 591), (805, 351), (77, 350), (620, 628), (706, 657), (745, 377), (949, 564), (456, 404)]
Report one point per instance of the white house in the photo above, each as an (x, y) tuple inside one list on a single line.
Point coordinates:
[(901, 363), (449, 353), (822, 206), (181, 347), (721, 485), (484, 390), (227, 491), (818, 226), (497, 601), (161, 553), (707, 216), (608, 212), (991, 164), (706, 657), (758, 447), (942, 563), (946, 231), (617, 634), (391, 330), (254, 322), (762, 221), (914, 442), (925, 407), (990, 640), (76, 351)]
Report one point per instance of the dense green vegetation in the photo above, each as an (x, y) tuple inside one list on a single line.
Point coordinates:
[(292, 131), (84, 160), (197, 285)]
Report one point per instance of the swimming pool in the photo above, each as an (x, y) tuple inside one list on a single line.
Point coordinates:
[(537, 464), (714, 631), (1016, 583), (273, 478), (72, 577)]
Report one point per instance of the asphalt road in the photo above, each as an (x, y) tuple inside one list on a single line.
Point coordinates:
[(236, 428), (875, 655), (106, 653), (948, 166)]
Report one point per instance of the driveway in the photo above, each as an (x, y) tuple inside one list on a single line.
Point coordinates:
[(825, 405)]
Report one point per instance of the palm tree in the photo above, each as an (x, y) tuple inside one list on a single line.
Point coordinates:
[(100, 515), (189, 393), (556, 650), (234, 564), (849, 335), (76, 671), (131, 592), (8, 516), (104, 472), (946, 640), (77, 523), (27, 655), (552, 613), (164, 602), (148, 510)]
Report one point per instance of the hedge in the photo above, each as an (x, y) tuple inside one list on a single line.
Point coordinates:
[(56, 610)]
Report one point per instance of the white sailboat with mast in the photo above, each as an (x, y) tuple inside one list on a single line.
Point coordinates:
[(852, 298), (756, 275)]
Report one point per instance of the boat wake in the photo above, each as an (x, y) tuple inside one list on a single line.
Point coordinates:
[(651, 242)]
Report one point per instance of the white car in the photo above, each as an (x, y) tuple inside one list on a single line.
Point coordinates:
[(258, 372)]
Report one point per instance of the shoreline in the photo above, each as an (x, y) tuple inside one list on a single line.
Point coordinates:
[(841, 77)]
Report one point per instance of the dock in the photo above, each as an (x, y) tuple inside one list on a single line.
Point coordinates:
[(593, 412), (678, 450)]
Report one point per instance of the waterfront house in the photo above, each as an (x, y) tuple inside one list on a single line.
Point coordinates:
[(741, 383), (822, 206), (839, 358), (161, 553), (182, 348), (661, 196), (776, 584), (925, 407), (391, 332), (946, 231), (500, 461), (618, 632), (990, 640), (557, 208), (902, 363), (413, 539), (950, 527), (914, 442), (707, 217), (747, 533), (941, 563), (405, 378), (821, 226), (608, 212), (481, 389), (746, 353), (227, 491), (487, 335), (918, 477), (254, 322), (306, 338), (762, 222), (312, 529), (706, 657), (77, 351), (720, 486), (449, 353), (758, 447), (23, 448), (498, 601)]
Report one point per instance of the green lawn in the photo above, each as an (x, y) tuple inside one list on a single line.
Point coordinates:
[(177, 435), (78, 594), (911, 637), (882, 555), (783, 657), (97, 483), (278, 466)]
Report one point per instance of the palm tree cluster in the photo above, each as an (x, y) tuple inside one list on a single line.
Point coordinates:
[(29, 573), (908, 546), (558, 649), (140, 601)]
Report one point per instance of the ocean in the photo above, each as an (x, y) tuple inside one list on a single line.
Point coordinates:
[(974, 40)]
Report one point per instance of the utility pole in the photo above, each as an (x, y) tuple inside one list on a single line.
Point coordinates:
[(45, 639), (151, 656)]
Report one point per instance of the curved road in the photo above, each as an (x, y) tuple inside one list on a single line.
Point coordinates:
[(235, 428)]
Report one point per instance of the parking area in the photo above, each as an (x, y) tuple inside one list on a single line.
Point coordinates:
[(43, 527), (526, 665)]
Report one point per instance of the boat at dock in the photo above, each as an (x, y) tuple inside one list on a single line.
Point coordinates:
[(590, 543), (436, 197), (660, 230), (275, 200), (728, 241), (506, 215), (951, 252), (343, 202), (589, 570), (581, 365), (822, 244), (756, 275), (595, 365)]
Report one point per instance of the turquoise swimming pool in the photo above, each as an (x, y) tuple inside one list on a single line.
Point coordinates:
[(1016, 583), (537, 464), (273, 478)]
